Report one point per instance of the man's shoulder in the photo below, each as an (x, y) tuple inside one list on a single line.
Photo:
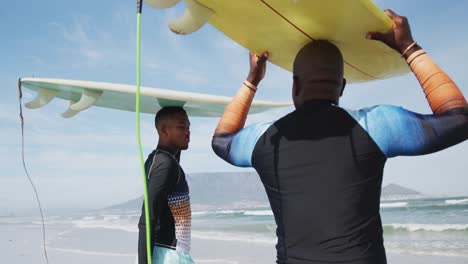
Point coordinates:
[(159, 157), (373, 111), (285, 118)]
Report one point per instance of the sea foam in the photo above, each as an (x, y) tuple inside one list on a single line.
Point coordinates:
[(458, 201), (412, 227)]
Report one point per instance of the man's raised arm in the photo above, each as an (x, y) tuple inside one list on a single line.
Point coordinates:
[(235, 114), (441, 92), (398, 131), (231, 141)]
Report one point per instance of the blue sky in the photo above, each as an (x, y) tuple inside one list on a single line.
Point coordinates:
[(91, 160)]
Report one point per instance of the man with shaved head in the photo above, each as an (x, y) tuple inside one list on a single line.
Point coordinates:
[(319, 67), (322, 165), (168, 192)]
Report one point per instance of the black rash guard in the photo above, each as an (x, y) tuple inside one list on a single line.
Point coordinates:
[(169, 204), (322, 168)]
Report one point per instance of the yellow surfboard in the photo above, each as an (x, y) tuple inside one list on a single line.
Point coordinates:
[(282, 27)]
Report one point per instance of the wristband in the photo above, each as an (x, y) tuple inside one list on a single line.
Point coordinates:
[(249, 85), (408, 48), (413, 56)]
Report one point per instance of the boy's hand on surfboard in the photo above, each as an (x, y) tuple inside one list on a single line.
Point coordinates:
[(399, 37), (257, 68)]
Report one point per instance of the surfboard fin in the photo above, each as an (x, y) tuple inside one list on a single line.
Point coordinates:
[(161, 4), (88, 98), (44, 96), (194, 17)]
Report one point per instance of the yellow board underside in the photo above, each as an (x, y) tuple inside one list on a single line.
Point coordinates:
[(282, 27)]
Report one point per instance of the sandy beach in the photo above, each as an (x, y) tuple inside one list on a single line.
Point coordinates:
[(22, 243)]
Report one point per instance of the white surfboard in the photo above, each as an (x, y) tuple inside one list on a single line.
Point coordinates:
[(84, 94)]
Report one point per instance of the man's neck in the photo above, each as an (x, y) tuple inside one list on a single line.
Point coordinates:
[(316, 101), (167, 147)]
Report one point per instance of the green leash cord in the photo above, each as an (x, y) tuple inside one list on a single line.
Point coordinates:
[(137, 110)]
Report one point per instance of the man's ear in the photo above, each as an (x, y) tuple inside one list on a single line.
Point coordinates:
[(343, 86), (296, 86), (163, 130)]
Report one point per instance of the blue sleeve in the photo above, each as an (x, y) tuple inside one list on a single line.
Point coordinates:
[(237, 148), (399, 132)]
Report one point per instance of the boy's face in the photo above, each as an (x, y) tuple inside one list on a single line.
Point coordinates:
[(178, 131)]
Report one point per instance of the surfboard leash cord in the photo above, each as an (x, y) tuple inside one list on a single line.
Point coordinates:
[(20, 97), (140, 151)]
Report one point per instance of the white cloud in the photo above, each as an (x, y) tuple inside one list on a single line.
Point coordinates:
[(35, 60), (86, 45), (92, 54), (78, 38), (76, 34), (191, 77), (152, 66)]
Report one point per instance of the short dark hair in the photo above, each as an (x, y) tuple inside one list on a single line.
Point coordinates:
[(166, 113)]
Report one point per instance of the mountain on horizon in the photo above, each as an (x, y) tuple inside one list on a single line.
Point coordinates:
[(242, 190), (395, 189), (216, 190)]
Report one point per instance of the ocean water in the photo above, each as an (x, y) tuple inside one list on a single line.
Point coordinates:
[(430, 227), (427, 226), (437, 226)]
